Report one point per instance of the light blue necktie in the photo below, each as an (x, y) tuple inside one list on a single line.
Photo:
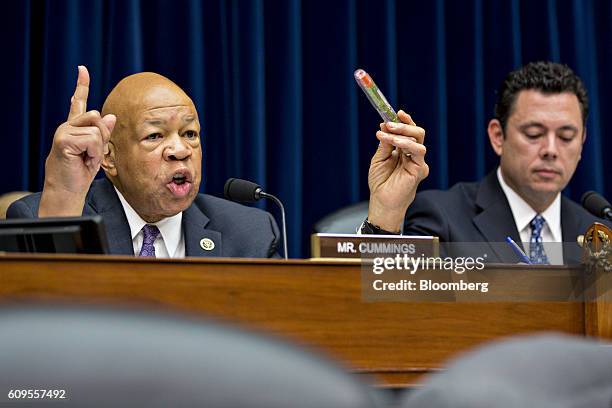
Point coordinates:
[(536, 248), (150, 233)]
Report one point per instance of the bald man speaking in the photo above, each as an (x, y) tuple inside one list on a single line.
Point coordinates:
[(147, 141)]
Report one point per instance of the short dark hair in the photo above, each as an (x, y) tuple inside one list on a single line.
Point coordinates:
[(544, 76)]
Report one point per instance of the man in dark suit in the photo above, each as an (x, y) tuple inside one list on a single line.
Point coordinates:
[(538, 133), (479, 212), (147, 140)]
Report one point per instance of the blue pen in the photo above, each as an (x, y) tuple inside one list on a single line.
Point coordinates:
[(517, 250)]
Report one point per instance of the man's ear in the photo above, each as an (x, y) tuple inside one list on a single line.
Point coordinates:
[(108, 163), (496, 136)]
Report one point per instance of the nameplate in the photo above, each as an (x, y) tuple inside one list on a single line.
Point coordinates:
[(356, 246)]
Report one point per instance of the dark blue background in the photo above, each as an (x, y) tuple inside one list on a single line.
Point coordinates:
[(273, 83)]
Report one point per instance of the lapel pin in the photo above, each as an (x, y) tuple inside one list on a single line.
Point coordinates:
[(207, 244)]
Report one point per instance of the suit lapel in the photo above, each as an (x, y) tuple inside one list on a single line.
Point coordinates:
[(570, 223), (104, 201), (495, 221), (200, 241), (570, 229)]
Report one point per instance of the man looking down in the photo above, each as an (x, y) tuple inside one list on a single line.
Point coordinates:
[(538, 133)]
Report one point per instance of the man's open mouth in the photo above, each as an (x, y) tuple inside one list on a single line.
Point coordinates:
[(180, 183), (181, 176), (179, 179)]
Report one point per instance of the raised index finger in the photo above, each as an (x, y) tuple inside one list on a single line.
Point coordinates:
[(78, 102)]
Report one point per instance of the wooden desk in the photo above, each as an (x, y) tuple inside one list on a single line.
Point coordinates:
[(316, 303)]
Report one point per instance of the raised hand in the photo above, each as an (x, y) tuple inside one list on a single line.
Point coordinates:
[(396, 169), (79, 146)]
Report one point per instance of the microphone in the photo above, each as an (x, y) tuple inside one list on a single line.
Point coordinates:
[(597, 205), (244, 191)]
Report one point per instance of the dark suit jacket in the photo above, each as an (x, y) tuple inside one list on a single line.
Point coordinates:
[(479, 213), (236, 230)]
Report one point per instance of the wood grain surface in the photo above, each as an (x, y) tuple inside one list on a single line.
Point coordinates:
[(318, 304)]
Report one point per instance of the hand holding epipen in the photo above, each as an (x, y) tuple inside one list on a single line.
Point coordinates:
[(376, 98)]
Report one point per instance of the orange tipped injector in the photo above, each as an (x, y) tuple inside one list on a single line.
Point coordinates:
[(376, 98)]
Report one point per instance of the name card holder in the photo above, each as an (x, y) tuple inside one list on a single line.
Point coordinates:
[(357, 246)]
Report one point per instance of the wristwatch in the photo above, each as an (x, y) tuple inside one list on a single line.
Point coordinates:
[(367, 228)]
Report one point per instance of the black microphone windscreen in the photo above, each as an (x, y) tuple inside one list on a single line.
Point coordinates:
[(595, 203), (243, 191)]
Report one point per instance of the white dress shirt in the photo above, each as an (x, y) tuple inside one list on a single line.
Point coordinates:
[(523, 214), (170, 243)]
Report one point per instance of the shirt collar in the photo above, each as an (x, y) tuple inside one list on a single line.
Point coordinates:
[(523, 213), (552, 215), (170, 228)]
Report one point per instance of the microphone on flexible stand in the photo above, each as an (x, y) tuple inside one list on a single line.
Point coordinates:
[(597, 205), (245, 191)]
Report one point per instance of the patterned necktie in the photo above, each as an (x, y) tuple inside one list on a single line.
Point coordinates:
[(536, 248), (150, 233)]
